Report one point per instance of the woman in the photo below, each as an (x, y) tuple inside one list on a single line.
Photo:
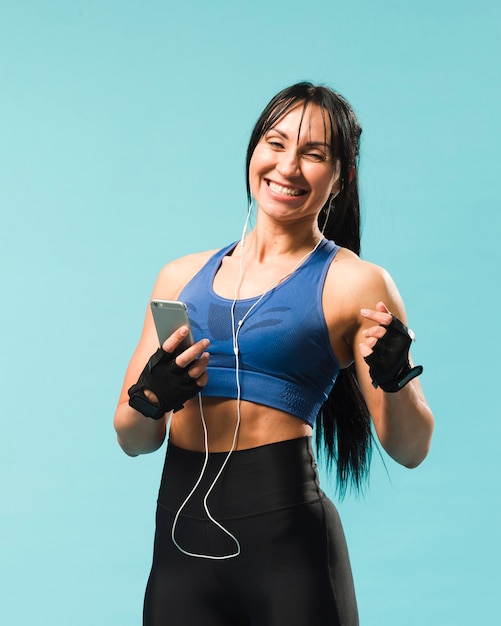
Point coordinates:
[(244, 533)]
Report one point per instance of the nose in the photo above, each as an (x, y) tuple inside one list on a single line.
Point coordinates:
[(288, 163)]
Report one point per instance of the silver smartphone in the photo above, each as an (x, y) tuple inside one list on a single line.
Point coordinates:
[(169, 315)]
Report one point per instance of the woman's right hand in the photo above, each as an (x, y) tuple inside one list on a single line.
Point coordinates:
[(195, 354), (137, 435)]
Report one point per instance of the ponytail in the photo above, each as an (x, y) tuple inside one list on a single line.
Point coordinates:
[(343, 432)]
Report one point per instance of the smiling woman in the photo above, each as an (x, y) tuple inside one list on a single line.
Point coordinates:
[(291, 328), (291, 167)]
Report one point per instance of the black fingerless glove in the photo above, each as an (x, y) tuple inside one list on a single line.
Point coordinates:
[(171, 384), (389, 365)]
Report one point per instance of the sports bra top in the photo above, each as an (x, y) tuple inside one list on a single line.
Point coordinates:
[(285, 357)]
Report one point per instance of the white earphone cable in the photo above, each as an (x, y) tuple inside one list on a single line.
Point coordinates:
[(235, 329), (235, 434)]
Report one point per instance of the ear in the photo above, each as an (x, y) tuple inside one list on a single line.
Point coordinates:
[(337, 185), (334, 192)]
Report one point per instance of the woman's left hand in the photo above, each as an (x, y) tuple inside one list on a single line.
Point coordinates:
[(382, 317)]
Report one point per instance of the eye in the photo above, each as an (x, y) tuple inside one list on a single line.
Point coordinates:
[(316, 157), (276, 145)]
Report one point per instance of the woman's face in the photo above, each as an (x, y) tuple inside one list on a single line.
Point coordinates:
[(291, 172)]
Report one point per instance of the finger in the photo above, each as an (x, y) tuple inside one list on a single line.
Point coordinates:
[(374, 331), (199, 366), (381, 317), (371, 342), (381, 306), (192, 353), (202, 380), (365, 350), (172, 342)]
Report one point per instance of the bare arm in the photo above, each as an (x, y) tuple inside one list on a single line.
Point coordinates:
[(403, 420), (136, 433), (353, 301)]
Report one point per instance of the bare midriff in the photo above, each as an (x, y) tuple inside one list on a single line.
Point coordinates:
[(259, 425)]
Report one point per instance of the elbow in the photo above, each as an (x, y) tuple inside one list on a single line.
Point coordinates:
[(124, 441), (411, 451), (136, 434), (409, 461), (135, 446), (422, 443), (413, 463), (128, 450), (418, 455)]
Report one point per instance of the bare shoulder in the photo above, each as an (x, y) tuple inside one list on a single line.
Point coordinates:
[(173, 277), (351, 269), (353, 284)]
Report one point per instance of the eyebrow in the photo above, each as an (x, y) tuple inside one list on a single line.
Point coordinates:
[(313, 144), (310, 144)]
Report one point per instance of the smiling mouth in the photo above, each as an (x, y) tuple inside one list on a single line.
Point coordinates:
[(285, 191)]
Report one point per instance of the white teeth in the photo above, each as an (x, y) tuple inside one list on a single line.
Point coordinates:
[(285, 191)]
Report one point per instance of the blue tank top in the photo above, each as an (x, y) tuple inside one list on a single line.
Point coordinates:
[(286, 360)]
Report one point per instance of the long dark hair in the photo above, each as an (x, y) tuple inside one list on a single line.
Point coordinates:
[(343, 429)]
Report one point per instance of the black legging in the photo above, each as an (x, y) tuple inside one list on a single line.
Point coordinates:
[(293, 569)]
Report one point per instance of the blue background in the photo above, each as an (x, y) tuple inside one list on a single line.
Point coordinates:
[(123, 132)]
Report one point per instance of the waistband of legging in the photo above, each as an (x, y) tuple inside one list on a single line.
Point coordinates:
[(254, 481)]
